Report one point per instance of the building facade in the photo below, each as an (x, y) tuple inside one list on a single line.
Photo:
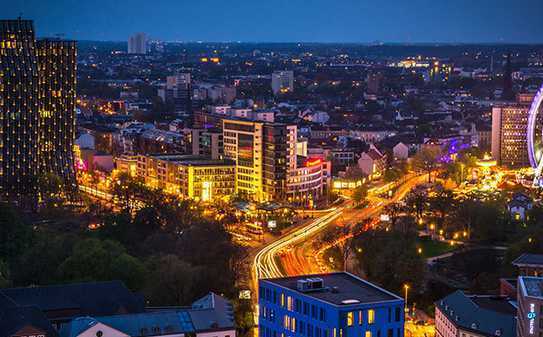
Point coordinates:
[(178, 92), (207, 143), (328, 305), (282, 82), (530, 306), (37, 110), (188, 176), (306, 183), (137, 44), (268, 167), (19, 108), (243, 144), (57, 63), (509, 133)]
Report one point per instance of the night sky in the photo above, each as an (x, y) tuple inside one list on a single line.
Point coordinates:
[(411, 21)]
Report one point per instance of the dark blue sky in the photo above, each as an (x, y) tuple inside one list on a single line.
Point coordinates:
[(519, 21)]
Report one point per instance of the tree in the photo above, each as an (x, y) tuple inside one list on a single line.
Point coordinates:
[(392, 174), (416, 201), (441, 203), (359, 194), (5, 275), (97, 260), (15, 234), (38, 265), (393, 211), (127, 190), (176, 284), (426, 160), (390, 259)]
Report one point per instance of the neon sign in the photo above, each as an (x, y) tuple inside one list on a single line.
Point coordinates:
[(312, 162), (531, 317)]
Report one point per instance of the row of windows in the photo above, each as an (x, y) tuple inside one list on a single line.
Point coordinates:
[(308, 330), (295, 305)]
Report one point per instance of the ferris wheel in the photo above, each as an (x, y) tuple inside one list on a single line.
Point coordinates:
[(535, 137)]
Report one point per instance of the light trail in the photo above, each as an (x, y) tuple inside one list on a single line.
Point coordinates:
[(265, 265)]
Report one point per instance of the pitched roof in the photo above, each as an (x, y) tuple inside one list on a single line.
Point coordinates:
[(212, 312), (93, 298), (141, 324), (487, 315), (14, 317), (529, 260)]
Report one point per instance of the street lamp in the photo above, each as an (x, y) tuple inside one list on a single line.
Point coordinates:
[(406, 288)]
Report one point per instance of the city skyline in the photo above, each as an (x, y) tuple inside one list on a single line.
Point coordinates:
[(280, 21)]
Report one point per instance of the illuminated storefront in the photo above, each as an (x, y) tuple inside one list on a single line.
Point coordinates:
[(186, 175)]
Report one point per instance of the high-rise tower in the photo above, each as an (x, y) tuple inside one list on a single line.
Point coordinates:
[(19, 106), (37, 110), (57, 69)]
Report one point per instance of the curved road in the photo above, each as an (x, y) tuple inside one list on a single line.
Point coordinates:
[(265, 263)]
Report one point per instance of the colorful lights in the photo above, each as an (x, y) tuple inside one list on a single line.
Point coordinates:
[(534, 145), (313, 162)]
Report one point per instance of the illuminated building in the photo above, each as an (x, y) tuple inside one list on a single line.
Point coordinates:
[(328, 305), (372, 162), (509, 134), (280, 159), (306, 182), (530, 306), (57, 63), (268, 166), (189, 176), (263, 154), (137, 44), (127, 163), (37, 109), (243, 144), (282, 82), (19, 109)]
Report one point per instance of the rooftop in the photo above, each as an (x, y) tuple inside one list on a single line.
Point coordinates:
[(192, 160), (531, 286), (93, 298), (529, 260), (142, 324), (339, 289), (491, 315)]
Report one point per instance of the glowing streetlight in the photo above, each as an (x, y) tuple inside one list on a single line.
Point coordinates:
[(406, 288)]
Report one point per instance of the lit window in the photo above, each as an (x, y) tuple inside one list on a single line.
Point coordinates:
[(282, 300), (368, 334), (371, 316), (360, 317), (350, 318)]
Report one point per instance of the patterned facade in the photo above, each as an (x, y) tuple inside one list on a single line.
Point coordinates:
[(37, 110)]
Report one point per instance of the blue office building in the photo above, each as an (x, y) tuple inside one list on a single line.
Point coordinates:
[(328, 305)]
